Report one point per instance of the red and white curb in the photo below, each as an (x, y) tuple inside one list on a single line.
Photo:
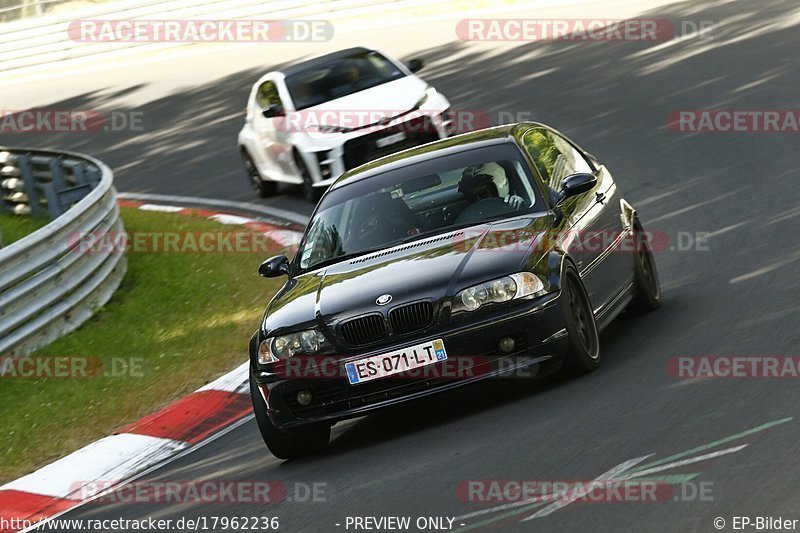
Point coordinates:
[(146, 443), (284, 236)]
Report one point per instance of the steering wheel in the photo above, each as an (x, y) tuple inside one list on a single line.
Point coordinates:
[(366, 81), (367, 228)]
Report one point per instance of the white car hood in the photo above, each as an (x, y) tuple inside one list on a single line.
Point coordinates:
[(388, 99)]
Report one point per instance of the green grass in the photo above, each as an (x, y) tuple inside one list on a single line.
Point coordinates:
[(14, 227), (183, 318)]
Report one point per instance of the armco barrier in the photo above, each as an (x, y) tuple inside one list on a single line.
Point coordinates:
[(34, 44), (45, 40), (46, 287)]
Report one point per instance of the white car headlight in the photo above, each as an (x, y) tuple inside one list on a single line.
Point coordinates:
[(430, 94), (325, 129), (498, 290), (307, 342)]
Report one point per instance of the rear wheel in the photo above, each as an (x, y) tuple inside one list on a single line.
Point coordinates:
[(262, 188), (647, 287), (287, 444), (583, 353)]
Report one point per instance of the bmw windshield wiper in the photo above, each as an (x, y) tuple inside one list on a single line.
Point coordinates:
[(447, 229), (344, 257)]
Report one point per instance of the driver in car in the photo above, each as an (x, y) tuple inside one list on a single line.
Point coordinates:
[(488, 180)]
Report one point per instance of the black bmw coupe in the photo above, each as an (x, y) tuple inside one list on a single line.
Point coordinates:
[(477, 256)]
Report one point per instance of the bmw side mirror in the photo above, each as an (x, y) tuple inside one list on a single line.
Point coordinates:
[(576, 184), (274, 267), (415, 65), (274, 110)]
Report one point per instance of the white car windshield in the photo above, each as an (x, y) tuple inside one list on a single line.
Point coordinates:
[(340, 77), (415, 201)]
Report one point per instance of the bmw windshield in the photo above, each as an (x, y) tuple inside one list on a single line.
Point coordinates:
[(414, 201), (340, 77)]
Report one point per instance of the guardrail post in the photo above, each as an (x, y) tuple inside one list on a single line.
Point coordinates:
[(4, 206), (57, 173), (79, 172), (53, 205), (94, 177), (29, 182), (58, 183)]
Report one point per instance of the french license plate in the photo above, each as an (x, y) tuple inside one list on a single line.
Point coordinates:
[(390, 139), (380, 366)]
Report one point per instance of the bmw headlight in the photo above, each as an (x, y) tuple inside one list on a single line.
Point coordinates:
[(498, 290), (307, 342)]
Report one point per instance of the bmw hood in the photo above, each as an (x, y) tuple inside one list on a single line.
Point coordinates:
[(432, 268)]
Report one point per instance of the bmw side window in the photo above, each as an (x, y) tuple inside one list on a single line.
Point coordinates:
[(573, 160), (323, 240), (554, 156), (267, 95), (527, 186)]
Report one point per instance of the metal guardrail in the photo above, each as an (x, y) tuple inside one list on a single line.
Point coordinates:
[(45, 40), (33, 44), (48, 285)]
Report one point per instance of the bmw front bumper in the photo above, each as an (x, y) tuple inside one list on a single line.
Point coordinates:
[(537, 327)]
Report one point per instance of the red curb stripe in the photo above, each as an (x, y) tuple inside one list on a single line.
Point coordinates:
[(204, 213), (27, 506), (194, 417), (261, 227), (129, 203)]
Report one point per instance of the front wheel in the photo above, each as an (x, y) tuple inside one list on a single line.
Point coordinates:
[(287, 444), (312, 194), (647, 287), (583, 352), (263, 188)]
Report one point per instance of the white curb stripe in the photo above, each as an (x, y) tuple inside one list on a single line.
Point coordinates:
[(164, 208), (208, 203), (285, 237), (113, 458), (233, 220), (233, 381)]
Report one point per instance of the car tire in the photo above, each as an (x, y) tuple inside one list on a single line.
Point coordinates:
[(311, 193), (646, 285), (583, 351), (286, 444), (263, 188)]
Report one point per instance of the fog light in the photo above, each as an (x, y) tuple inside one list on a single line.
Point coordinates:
[(304, 397), (506, 344)]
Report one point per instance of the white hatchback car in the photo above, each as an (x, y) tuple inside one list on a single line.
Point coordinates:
[(310, 122)]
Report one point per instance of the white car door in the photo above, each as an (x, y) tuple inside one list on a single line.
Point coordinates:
[(274, 153)]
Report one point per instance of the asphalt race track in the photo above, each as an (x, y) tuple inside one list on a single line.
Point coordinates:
[(728, 202)]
